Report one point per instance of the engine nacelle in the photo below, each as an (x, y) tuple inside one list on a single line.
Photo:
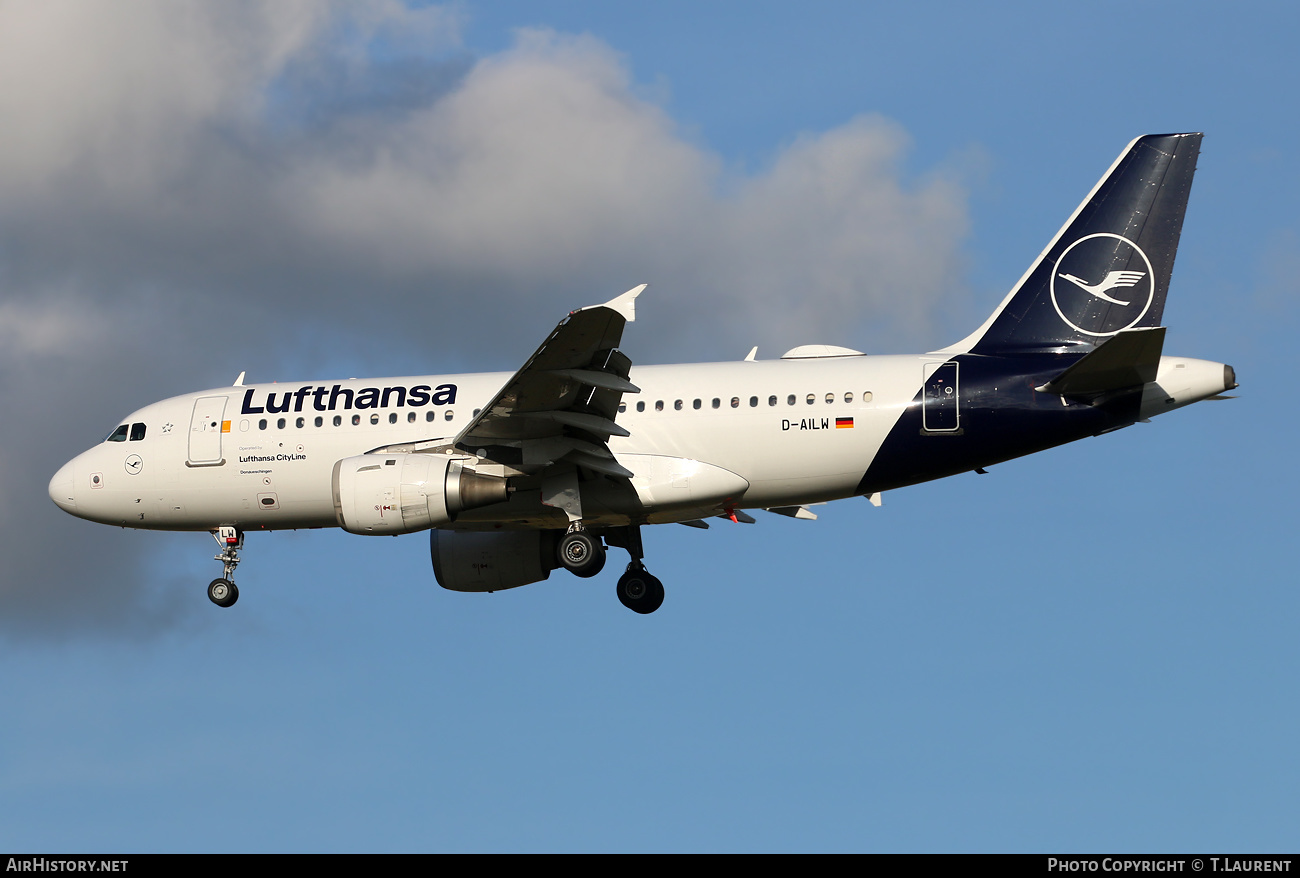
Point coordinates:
[(389, 494), (476, 561)]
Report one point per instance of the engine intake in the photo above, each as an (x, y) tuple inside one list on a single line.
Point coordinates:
[(389, 494)]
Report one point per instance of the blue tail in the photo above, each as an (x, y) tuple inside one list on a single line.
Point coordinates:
[(1108, 268)]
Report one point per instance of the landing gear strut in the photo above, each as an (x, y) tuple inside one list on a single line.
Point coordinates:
[(223, 592), (580, 553)]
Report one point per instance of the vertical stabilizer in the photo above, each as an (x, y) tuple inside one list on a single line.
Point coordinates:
[(1108, 268)]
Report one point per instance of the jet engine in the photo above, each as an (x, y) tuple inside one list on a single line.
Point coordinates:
[(474, 561), (389, 494)]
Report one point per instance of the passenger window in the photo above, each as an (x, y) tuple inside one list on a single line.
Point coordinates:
[(429, 415), (374, 419), (137, 432), (410, 418), (771, 400), (812, 398), (622, 407), (356, 419), (118, 435), (789, 400), (753, 402), (448, 415), (279, 424), (392, 418), (866, 396), (338, 420), (830, 399), (696, 404), (299, 423), (659, 405), (261, 425), (848, 397), (476, 411), (717, 403), (319, 422), (640, 406), (735, 402)]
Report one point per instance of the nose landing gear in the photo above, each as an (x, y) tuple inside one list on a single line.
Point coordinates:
[(223, 592)]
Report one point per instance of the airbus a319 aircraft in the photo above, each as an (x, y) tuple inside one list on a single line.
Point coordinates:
[(516, 475)]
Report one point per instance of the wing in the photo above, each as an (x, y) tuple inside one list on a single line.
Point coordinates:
[(562, 403)]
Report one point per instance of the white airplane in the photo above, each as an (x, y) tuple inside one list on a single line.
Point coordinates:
[(516, 475)]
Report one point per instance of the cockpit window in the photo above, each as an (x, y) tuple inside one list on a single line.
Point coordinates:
[(118, 435), (137, 432)]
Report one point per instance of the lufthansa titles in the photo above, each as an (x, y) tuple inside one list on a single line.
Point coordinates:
[(328, 399)]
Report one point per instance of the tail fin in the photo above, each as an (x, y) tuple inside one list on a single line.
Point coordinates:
[(1108, 267)]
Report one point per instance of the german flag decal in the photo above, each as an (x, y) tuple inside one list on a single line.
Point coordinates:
[(842, 423)]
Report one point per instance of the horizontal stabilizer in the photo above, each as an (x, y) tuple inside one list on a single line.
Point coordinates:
[(1129, 359)]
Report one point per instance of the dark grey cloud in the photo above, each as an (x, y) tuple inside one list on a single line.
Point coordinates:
[(188, 190)]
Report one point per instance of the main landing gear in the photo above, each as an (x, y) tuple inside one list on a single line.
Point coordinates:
[(584, 555), (223, 592), (638, 590), (580, 553)]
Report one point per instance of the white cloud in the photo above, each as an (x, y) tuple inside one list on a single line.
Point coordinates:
[(181, 185)]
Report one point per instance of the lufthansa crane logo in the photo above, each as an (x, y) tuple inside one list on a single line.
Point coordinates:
[(1102, 284)]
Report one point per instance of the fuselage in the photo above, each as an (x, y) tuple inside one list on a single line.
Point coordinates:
[(775, 433)]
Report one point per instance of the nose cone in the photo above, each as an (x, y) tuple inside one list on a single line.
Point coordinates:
[(61, 489)]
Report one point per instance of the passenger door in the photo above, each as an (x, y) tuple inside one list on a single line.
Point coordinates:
[(206, 426)]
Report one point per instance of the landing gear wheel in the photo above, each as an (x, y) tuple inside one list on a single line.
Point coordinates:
[(639, 591), (581, 554), (223, 592)]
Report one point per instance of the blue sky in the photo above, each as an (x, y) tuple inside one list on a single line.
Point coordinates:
[(1085, 650)]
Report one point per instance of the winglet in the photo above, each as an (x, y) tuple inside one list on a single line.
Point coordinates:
[(624, 304), (239, 382)]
